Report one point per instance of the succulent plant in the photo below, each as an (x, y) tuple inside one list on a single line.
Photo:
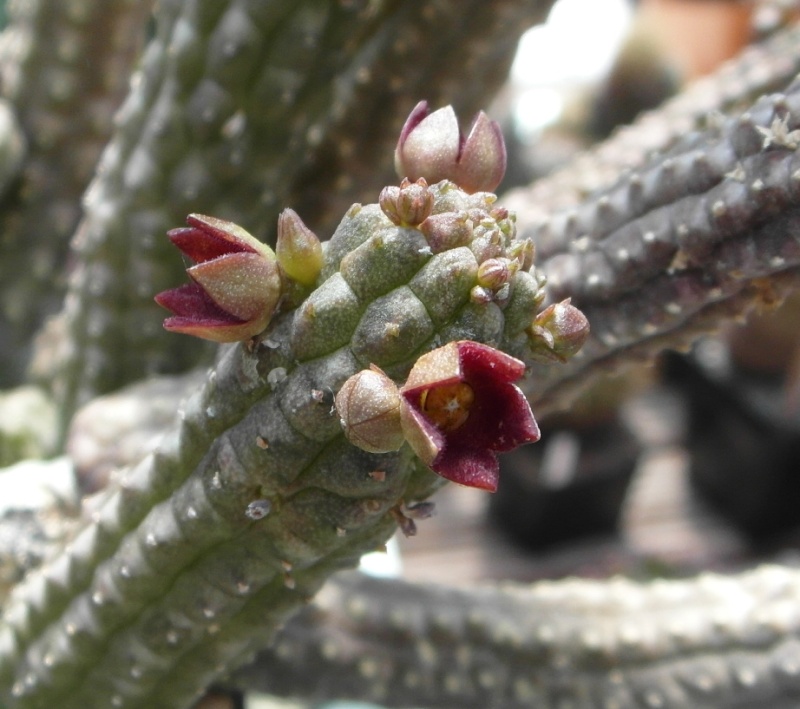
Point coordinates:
[(185, 566), (277, 448)]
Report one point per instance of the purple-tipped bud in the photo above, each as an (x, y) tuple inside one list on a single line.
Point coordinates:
[(432, 146), (407, 205), (447, 230), (494, 273), (368, 405), (235, 285), (558, 332), (298, 249)]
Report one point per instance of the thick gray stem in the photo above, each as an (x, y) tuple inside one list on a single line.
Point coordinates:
[(713, 642)]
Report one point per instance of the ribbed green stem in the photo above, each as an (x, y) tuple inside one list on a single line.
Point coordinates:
[(548, 207), (173, 557), (229, 115), (713, 642), (173, 582), (690, 236), (65, 67)]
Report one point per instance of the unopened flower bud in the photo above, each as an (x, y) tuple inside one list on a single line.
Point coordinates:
[(368, 405), (235, 284), (494, 273), (447, 230), (481, 295), (407, 205), (524, 252), (298, 249), (431, 146), (558, 332), (487, 244)]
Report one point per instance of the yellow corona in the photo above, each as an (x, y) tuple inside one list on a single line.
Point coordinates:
[(447, 406)]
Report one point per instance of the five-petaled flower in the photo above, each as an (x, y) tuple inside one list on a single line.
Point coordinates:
[(235, 284), (432, 146), (460, 408)]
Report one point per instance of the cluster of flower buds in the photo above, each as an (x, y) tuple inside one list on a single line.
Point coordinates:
[(459, 406), (457, 410)]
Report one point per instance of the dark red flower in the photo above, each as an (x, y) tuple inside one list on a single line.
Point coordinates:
[(235, 284), (460, 408)]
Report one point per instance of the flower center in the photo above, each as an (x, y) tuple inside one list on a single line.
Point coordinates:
[(447, 406)]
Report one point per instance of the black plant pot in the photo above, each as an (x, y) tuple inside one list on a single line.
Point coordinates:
[(570, 485), (744, 444)]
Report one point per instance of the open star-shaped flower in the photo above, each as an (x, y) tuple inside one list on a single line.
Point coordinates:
[(460, 408), (235, 284)]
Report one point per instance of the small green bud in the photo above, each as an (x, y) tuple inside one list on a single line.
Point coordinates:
[(524, 252), (298, 249)]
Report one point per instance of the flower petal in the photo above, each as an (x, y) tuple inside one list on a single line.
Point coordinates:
[(191, 301), (216, 332), (417, 115), (439, 366), (431, 148), (482, 160), (483, 361), (240, 239), (242, 284), (196, 314), (425, 439), (500, 419), (470, 467), (201, 246), (207, 238)]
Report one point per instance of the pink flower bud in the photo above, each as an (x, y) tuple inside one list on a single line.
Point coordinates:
[(407, 205), (235, 284), (432, 146), (558, 332), (494, 273), (447, 230)]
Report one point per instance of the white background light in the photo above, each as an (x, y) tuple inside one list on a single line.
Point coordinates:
[(575, 47)]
